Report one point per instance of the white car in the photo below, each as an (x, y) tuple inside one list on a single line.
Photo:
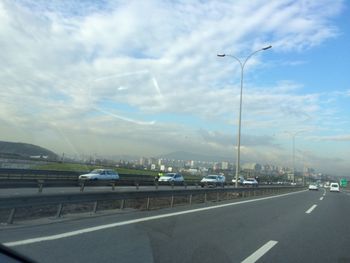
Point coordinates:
[(100, 174), (334, 187), (313, 187), (240, 180), (250, 181), (213, 180), (172, 178)]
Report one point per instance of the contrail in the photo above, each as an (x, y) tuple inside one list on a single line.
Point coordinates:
[(159, 98), (140, 72), (124, 118)]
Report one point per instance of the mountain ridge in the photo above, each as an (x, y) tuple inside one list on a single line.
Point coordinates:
[(21, 149)]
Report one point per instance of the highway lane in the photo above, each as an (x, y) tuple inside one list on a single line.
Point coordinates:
[(269, 229), (324, 235)]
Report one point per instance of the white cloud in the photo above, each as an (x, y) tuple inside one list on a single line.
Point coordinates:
[(62, 60)]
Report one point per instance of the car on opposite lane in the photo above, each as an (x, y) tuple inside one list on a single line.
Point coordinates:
[(334, 187), (250, 182), (100, 174), (213, 180), (172, 178), (240, 180)]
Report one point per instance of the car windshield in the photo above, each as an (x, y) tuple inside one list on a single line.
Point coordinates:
[(96, 171), (211, 177), (125, 123)]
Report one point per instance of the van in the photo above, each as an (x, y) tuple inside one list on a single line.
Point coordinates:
[(334, 187)]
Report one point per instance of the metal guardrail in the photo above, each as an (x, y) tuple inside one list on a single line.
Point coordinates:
[(33, 183), (19, 174), (36, 183), (31, 174), (13, 203), (29, 178)]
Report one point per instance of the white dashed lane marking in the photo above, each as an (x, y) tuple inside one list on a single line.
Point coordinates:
[(311, 209), (260, 252)]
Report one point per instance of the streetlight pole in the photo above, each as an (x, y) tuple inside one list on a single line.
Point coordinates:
[(242, 64), (293, 141), (294, 158), (304, 167)]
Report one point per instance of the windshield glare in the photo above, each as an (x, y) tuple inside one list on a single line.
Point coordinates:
[(175, 130)]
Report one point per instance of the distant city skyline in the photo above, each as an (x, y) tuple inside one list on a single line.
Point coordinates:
[(193, 163), (85, 77), (26, 156)]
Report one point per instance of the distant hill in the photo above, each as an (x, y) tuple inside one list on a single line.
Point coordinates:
[(24, 150), (182, 155)]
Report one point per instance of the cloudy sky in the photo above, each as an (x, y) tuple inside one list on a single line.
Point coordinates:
[(142, 78)]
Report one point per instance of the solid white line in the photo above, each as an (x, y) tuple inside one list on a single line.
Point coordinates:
[(310, 209), (260, 252), (134, 221), (321, 198)]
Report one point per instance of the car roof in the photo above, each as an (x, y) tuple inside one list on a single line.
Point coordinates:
[(101, 169)]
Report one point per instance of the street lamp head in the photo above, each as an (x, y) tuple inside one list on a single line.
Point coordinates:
[(221, 55), (265, 48)]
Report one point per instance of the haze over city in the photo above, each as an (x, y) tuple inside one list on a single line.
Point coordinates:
[(90, 78)]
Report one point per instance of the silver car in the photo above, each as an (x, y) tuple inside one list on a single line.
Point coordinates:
[(213, 180), (100, 174), (250, 182), (172, 178)]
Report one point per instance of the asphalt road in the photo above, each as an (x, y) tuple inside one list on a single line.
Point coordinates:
[(298, 227)]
